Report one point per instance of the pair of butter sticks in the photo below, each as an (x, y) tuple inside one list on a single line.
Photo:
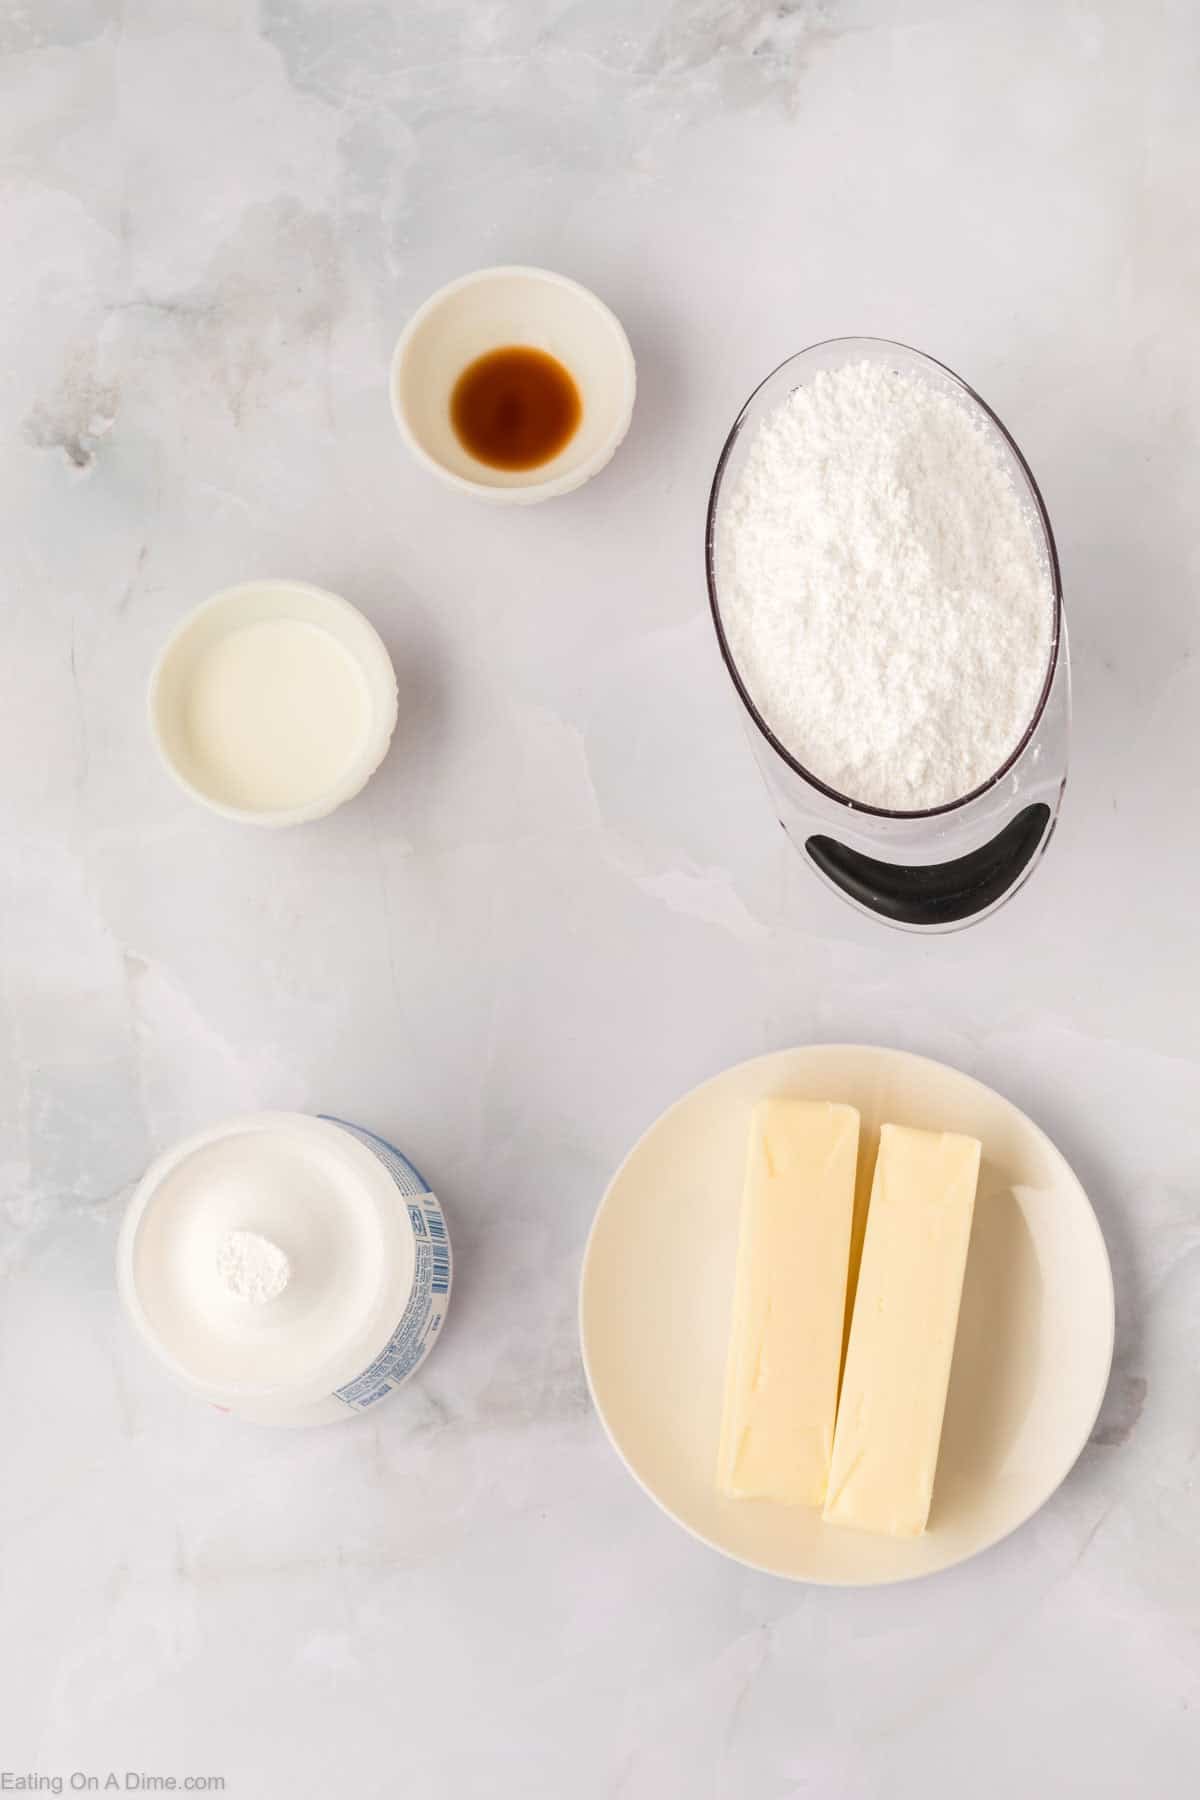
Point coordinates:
[(869, 1458)]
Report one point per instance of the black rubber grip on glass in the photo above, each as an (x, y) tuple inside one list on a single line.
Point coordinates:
[(934, 893)]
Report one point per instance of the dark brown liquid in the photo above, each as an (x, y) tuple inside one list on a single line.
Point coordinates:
[(515, 408)]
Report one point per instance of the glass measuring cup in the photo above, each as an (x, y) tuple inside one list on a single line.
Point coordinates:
[(946, 866)]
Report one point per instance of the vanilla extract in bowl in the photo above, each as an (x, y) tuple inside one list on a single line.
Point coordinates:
[(515, 407)]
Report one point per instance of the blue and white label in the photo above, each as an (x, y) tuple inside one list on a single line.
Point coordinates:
[(422, 1318)]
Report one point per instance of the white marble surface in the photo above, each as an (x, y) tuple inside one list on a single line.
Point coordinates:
[(564, 899)]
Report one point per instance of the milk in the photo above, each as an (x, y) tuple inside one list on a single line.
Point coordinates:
[(273, 703), (275, 714)]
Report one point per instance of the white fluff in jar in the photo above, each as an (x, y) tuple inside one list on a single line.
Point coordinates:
[(290, 1269)]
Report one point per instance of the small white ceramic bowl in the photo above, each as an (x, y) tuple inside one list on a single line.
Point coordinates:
[(254, 603), (487, 311)]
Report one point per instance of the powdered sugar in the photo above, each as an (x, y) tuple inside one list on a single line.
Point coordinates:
[(883, 588)]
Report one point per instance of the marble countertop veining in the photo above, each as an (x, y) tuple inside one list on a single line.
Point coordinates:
[(563, 900)]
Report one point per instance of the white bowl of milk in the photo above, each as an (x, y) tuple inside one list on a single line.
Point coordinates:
[(273, 702)]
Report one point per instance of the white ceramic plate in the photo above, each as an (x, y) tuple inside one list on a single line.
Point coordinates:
[(1035, 1333)]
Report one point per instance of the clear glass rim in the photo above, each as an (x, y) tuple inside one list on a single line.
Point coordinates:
[(714, 498)]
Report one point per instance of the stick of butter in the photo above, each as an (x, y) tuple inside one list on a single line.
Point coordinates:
[(785, 1345), (889, 1423)]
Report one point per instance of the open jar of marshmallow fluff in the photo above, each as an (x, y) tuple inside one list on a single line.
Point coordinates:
[(292, 1270)]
